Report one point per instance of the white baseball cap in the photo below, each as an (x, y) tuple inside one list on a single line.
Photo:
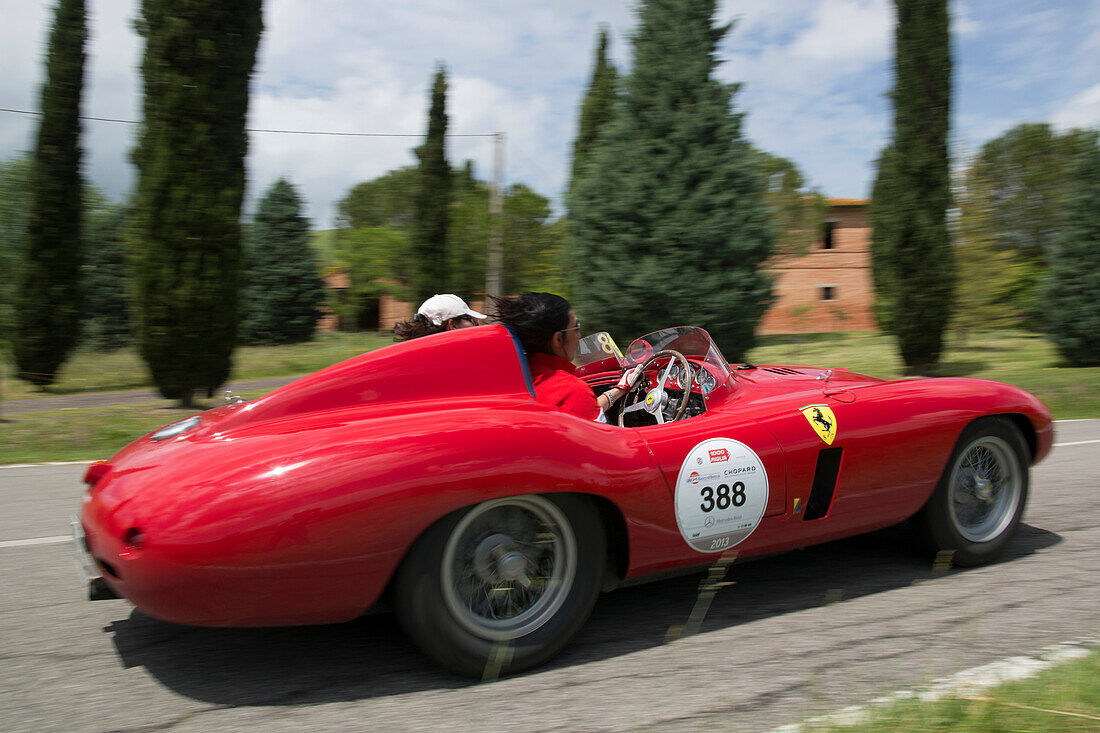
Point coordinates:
[(441, 308)]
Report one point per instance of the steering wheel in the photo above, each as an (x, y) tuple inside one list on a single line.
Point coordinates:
[(656, 399)]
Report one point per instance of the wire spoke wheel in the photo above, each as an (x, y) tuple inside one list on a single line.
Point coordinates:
[(508, 567), (986, 486)]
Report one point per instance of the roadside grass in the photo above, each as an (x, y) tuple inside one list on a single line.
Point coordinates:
[(1064, 698), (1024, 359), (88, 433), (120, 370), (1016, 357)]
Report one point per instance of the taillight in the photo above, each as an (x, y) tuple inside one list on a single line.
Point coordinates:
[(95, 472)]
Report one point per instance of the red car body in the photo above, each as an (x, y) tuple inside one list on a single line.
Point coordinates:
[(298, 507)]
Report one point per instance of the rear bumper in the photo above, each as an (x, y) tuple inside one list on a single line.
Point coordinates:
[(98, 590)]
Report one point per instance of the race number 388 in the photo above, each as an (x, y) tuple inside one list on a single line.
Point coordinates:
[(721, 493)]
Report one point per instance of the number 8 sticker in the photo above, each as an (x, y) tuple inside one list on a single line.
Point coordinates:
[(721, 493)]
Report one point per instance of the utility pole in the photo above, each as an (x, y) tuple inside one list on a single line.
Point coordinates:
[(495, 263)]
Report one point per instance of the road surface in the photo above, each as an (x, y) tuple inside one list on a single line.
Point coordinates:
[(796, 635)]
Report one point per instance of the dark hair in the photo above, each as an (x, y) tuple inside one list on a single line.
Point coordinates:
[(534, 318), (416, 327)]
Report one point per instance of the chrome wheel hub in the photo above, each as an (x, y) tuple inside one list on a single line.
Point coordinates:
[(983, 489), (986, 489), (508, 566)]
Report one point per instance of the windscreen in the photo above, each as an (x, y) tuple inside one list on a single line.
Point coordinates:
[(694, 343), (597, 347)]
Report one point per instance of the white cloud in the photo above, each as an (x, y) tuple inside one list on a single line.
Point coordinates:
[(846, 35), (1083, 110)]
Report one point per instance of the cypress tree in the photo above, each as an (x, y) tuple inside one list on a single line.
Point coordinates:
[(911, 250), (598, 106), (48, 299), (433, 198), (185, 235), (283, 289), (15, 204), (1070, 296), (668, 221)]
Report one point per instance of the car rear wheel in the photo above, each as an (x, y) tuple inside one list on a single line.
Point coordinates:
[(980, 498), (502, 586)]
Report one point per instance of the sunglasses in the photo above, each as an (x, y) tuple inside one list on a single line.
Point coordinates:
[(576, 328)]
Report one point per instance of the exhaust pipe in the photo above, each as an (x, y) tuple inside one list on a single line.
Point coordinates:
[(98, 590)]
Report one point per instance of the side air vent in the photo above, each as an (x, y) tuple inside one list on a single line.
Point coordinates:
[(782, 370), (825, 480)]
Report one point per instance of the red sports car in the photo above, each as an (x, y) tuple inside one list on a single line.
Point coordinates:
[(426, 477)]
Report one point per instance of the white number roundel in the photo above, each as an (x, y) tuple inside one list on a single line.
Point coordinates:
[(721, 493)]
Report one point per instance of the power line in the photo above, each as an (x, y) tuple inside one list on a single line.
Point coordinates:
[(279, 132)]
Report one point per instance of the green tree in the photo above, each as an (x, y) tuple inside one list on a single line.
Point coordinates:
[(283, 291), (386, 201), (988, 278), (433, 199), (1012, 194), (47, 322), (598, 106), (15, 203), (467, 235), (532, 247), (1070, 295), (668, 222), (185, 235), (885, 213), (374, 243), (911, 249), (797, 212), (105, 317), (370, 256)]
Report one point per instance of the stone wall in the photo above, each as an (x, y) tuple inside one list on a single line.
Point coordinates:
[(826, 289)]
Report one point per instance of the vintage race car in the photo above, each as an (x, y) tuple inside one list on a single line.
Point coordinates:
[(425, 477)]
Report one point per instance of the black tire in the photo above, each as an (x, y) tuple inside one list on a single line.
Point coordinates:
[(536, 559), (978, 502)]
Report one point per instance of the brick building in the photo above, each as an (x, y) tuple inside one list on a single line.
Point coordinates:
[(829, 288)]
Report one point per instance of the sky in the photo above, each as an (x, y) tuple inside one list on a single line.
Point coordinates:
[(814, 76)]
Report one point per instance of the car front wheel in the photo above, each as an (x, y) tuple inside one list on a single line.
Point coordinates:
[(502, 586), (980, 498)]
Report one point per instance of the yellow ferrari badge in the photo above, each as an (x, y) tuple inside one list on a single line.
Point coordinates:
[(822, 420), (649, 399)]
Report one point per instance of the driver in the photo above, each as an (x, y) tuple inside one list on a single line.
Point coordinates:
[(548, 329)]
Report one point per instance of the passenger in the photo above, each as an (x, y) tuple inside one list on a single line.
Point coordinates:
[(437, 314), (548, 329)]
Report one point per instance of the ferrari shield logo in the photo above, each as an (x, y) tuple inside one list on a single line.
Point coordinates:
[(822, 420)]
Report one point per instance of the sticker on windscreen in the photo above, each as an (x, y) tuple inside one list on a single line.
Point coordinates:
[(721, 494)]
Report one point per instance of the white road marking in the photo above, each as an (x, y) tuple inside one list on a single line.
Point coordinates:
[(961, 684), (55, 540), (1078, 442)]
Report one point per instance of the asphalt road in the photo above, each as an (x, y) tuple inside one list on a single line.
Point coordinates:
[(796, 635)]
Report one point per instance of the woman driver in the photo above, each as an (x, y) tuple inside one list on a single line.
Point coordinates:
[(548, 329)]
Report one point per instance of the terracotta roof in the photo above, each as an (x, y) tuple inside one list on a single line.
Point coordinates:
[(847, 202)]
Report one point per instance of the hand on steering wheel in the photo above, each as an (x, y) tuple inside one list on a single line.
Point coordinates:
[(656, 399)]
